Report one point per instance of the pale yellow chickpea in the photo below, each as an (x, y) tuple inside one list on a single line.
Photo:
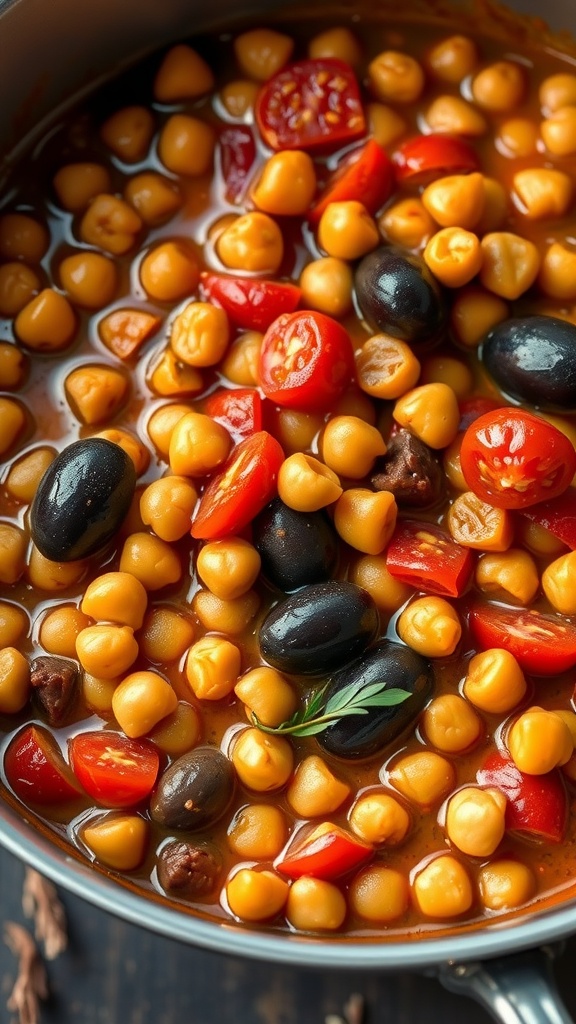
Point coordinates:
[(167, 505), (77, 184), (386, 367), (542, 193), (395, 77), (116, 597), (558, 583), (154, 197), (106, 651), (226, 616), (128, 133), (59, 630), (14, 624), (263, 762), (370, 573), (198, 445), (258, 832), (452, 115), (505, 884), (118, 841), (456, 201), (179, 731), (453, 59), (238, 98), (347, 231), (151, 560), (229, 567), (557, 277), (186, 145), (142, 700), (559, 131), (430, 412), (170, 377), (261, 52), (22, 238), (365, 519), (110, 224), (315, 905), (53, 576), (423, 778), (443, 889), (511, 574), (430, 626), (539, 741), (47, 323), (165, 635), (240, 363), (266, 694), (448, 370), (379, 894), (14, 681), (315, 790), (518, 137), (162, 423), (18, 285), (339, 43), (252, 242), (379, 818), (212, 667), (385, 124), (287, 184), (475, 820), (182, 75), (474, 313), (408, 223), (326, 285), (306, 484), (510, 264), (450, 724), (96, 393), (454, 256), (494, 681), (169, 271), (500, 87), (13, 545), (350, 446)]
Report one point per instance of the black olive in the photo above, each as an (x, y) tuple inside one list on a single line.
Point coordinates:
[(188, 870), (533, 359), (296, 548), (397, 294), (194, 791), (319, 628), (360, 736), (82, 499)]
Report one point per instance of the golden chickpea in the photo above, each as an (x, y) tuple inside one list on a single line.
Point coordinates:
[(305, 484), (182, 75), (14, 624), (450, 724), (240, 363), (386, 367), (510, 264), (47, 323), (327, 286), (287, 184), (430, 412), (258, 832), (339, 43), (142, 700), (347, 231), (495, 207), (96, 393), (474, 523), (315, 905), (539, 540), (130, 444), (116, 597), (453, 59), (77, 184), (167, 505), (178, 732), (474, 313), (505, 884), (430, 626), (266, 694), (261, 52), (450, 371), (451, 464), (186, 145), (198, 445), (252, 242), (123, 331), (150, 560), (509, 574), (557, 91), (18, 285), (315, 790), (353, 402), (118, 841), (89, 279), (454, 256), (443, 889), (165, 635), (407, 223), (539, 741), (154, 197), (14, 681), (212, 668), (162, 423), (228, 567), (350, 446), (106, 651), (557, 277), (200, 334), (238, 98), (97, 694), (365, 519), (385, 124), (494, 681), (370, 573), (518, 138), (456, 201), (452, 115), (22, 238), (256, 895), (378, 817), (53, 576), (542, 193), (499, 87), (169, 272), (13, 545), (170, 377), (379, 894), (424, 778), (395, 77), (475, 820), (128, 133), (231, 616), (559, 131), (110, 224), (263, 763), (558, 584), (60, 628)]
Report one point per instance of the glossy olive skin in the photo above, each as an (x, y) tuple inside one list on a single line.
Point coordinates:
[(319, 628), (533, 359), (194, 791), (82, 499), (296, 548), (397, 294), (361, 736)]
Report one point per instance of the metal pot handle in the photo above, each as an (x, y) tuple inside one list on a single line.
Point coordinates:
[(518, 989)]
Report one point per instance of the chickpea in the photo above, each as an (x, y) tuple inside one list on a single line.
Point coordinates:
[(452, 115), (539, 741), (13, 624), (365, 519), (495, 207), (123, 331), (430, 626), (510, 264), (186, 145), (499, 87), (14, 681), (370, 573), (379, 818), (212, 668), (407, 223), (261, 52), (327, 286), (178, 732), (238, 98), (539, 540), (240, 363), (47, 323), (287, 184), (231, 616), (171, 377), (18, 286), (494, 681), (443, 889), (263, 763), (77, 184), (106, 651), (451, 464), (339, 43), (395, 77), (142, 700), (424, 778), (450, 371), (305, 484), (379, 894), (558, 584), (557, 277), (256, 895), (454, 256), (118, 841), (518, 138), (165, 635), (182, 75), (167, 505), (297, 431), (169, 272), (353, 402), (511, 574), (110, 224), (386, 367), (133, 447), (430, 412), (60, 628), (13, 546), (314, 790), (200, 334), (154, 197), (474, 523), (22, 238), (128, 133), (453, 59), (229, 567), (162, 423), (96, 393), (252, 242), (456, 201), (385, 124), (97, 694), (198, 445), (347, 231), (53, 576), (258, 832), (543, 193), (450, 724), (314, 905), (350, 446), (559, 131), (557, 91), (150, 560), (116, 597), (474, 313), (266, 694), (89, 279), (505, 884), (475, 820)]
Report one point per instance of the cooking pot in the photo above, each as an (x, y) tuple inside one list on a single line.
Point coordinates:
[(51, 51)]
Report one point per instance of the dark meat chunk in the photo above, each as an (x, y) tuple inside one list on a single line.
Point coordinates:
[(54, 681), (187, 870), (409, 470)]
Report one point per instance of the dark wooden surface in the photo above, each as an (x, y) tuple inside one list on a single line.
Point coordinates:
[(115, 973)]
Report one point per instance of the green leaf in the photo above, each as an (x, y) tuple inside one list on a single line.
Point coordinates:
[(354, 699)]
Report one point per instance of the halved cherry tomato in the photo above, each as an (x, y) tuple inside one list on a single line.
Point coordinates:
[(237, 409), (311, 103), (512, 459), (366, 175), (543, 645), (114, 770), (306, 361), (237, 157), (246, 483), (250, 303), (557, 515), (328, 853), (537, 804), (36, 770), (472, 408), (424, 556), (430, 156)]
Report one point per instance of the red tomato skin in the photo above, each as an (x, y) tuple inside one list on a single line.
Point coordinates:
[(543, 645), (282, 126), (365, 175), (536, 459), (36, 770), (329, 856), (237, 409), (250, 474), (537, 804), (430, 156), (114, 770), (237, 158), (472, 408), (437, 567), (250, 303), (558, 516), (314, 373)]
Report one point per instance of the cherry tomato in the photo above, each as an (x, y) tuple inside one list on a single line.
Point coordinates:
[(114, 770), (472, 408), (558, 516), (250, 303), (430, 156), (246, 483), (512, 459), (543, 645), (366, 175), (237, 157), (306, 361), (328, 853), (424, 556), (537, 804), (237, 409), (36, 770), (310, 103)]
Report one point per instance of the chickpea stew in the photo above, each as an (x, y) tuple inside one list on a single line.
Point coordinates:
[(287, 515)]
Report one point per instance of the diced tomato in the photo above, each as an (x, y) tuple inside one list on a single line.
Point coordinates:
[(237, 158), (306, 361), (311, 104), (537, 804), (328, 853), (543, 645), (114, 770), (430, 156), (425, 556), (251, 304), (557, 515), (246, 483), (36, 770), (237, 409), (512, 459), (472, 408), (365, 175)]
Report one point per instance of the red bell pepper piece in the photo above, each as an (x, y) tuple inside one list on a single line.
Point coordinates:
[(557, 515), (537, 804), (251, 304), (424, 556), (430, 156), (365, 175), (328, 852), (36, 769), (237, 157)]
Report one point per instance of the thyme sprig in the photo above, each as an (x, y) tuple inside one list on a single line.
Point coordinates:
[(318, 714)]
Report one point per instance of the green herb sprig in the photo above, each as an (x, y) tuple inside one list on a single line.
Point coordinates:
[(316, 716)]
